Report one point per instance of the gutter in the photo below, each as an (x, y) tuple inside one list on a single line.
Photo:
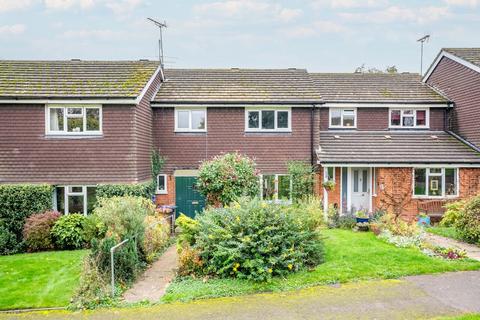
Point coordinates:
[(235, 103)]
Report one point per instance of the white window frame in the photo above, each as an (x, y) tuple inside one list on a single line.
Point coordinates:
[(164, 191), (342, 110), (189, 129), (325, 174), (275, 128), (427, 181), (275, 195), (415, 126), (65, 132), (67, 193)]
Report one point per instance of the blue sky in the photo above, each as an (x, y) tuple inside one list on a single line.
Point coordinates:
[(320, 35)]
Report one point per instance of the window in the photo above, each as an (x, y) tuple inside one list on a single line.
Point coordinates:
[(276, 187), (268, 120), (74, 120), (343, 118), (329, 174), (409, 118), (191, 120), (162, 184), (435, 182), (75, 199)]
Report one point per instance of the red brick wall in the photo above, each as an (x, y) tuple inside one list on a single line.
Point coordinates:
[(226, 133), (462, 86), (334, 196), (377, 119), (169, 198)]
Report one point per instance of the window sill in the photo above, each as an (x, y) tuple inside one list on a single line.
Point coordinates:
[(73, 136), (342, 128), (268, 132), (409, 128), (161, 192), (434, 197)]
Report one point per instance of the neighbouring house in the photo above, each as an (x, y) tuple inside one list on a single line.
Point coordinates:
[(456, 73), (76, 124), (269, 115), (385, 143)]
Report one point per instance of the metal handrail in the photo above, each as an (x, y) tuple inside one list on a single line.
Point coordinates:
[(112, 263)]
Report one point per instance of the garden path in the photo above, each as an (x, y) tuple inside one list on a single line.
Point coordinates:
[(152, 284), (417, 297), (473, 251)]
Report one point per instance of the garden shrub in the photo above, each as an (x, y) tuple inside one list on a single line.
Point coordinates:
[(313, 208), (68, 232), (468, 221), (93, 227), (257, 240), (227, 177), (37, 231), (156, 237), (145, 190), (187, 229), (345, 220), (452, 212), (302, 179), (17, 203), (189, 262), (398, 227)]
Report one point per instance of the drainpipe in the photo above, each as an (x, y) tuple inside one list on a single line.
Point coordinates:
[(312, 147)]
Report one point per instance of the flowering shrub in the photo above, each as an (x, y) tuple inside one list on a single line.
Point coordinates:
[(302, 179), (36, 231), (227, 177), (454, 209), (402, 241), (187, 229), (68, 232), (468, 221), (398, 227), (257, 240), (189, 262), (157, 234)]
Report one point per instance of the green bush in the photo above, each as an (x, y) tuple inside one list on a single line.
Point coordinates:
[(145, 190), (37, 231), (302, 179), (68, 232), (452, 212), (93, 227), (257, 240), (187, 229), (468, 221), (17, 203), (227, 177), (156, 237)]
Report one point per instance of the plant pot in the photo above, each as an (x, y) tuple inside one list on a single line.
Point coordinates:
[(423, 221), (362, 220)]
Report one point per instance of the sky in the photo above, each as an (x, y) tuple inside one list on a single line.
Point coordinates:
[(320, 35)]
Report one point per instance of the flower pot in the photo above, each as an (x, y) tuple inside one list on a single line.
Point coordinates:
[(423, 221), (362, 220)]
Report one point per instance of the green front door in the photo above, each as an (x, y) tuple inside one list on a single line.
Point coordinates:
[(188, 199)]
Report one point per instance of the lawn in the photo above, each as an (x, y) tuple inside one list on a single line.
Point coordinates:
[(350, 256), (449, 232), (34, 280)]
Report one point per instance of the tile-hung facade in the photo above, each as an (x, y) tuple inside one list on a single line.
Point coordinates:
[(384, 140), (76, 124)]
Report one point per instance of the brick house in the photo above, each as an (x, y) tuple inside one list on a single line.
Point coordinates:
[(385, 142)]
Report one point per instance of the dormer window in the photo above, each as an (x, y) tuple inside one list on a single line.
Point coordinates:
[(343, 118), (74, 120), (409, 118)]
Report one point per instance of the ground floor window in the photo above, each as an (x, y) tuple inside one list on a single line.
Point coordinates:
[(162, 184), (435, 182), (276, 187), (75, 199)]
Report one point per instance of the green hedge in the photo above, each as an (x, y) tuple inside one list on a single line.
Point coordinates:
[(17, 203), (145, 190)]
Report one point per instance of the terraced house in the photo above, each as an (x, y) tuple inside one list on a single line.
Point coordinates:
[(387, 141)]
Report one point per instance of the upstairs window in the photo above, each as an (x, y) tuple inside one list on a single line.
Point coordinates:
[(190, 120), (74, 120), (435, 182), (268, 120), (409, 118), (343, 118)]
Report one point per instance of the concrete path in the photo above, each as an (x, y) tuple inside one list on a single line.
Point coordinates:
[(473, 251), (152, 284), (418, 297)]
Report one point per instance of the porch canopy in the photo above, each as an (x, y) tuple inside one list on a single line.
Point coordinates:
[(387, 148)]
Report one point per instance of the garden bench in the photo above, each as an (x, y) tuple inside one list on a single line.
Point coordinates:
[(432, 208)]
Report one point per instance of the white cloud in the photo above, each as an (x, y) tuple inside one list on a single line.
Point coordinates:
[(348, 4), (118, 7), (67, 4), (244, 9), (463, 3), (12, 5), (14, 29), (122, 7), (316, 28), (103, 34), (395, 14)]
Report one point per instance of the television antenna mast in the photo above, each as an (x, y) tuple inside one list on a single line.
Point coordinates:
[(422, 40), (160, 26)]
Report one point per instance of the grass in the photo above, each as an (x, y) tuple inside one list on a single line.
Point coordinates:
[(350, 256), (37, 280), (448, 232)]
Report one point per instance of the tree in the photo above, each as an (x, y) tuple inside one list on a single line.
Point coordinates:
[(363, 69), (227, 177)]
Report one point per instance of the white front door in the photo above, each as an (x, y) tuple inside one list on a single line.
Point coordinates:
[(360, 189)]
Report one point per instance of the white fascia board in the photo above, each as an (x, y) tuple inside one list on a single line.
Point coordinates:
[(68, 101), (232, 105), (399, 165), (385, 105), (451, 57)]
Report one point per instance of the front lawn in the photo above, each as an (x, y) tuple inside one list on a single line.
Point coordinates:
[(35, 280), (448, 232), (350, 256)]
